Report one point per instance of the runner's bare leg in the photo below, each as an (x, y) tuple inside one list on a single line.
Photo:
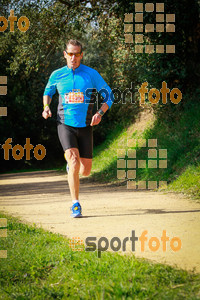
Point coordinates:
[(76, 165), (73, 159), (85, 166)]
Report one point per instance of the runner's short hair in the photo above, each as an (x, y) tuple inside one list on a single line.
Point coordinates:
[(74, 43)]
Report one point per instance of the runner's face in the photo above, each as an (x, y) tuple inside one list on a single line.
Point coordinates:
[(73, 62)]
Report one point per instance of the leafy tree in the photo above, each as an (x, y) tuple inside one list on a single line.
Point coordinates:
[(29, 58)]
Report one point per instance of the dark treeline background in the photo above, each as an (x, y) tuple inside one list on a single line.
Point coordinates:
[(29, 58)]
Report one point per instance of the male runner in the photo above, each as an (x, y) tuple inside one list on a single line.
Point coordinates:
[(74, 83)]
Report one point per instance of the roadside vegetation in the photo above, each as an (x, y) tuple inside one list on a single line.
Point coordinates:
[(29, 58), (178, 134), (41, 265)]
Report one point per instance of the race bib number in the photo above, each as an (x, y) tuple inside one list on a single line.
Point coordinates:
[(74, 97)]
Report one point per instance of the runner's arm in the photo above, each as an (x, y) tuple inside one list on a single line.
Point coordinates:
[(101, 86), (49, 91), (46, 109), (96, 119)]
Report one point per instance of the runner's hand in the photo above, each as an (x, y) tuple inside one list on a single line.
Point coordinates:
[(96, 119), (46, 113)]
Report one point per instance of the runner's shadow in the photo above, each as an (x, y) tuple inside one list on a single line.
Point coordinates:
[(148, 211)]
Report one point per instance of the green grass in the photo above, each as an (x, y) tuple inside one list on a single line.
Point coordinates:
[(188, 182), (179, 135), (41, 265), (105, 157)]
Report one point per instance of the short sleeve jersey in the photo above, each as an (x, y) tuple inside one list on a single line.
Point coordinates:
[(75, 93)]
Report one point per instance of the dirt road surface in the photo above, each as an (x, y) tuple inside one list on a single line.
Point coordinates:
[(108, 211)]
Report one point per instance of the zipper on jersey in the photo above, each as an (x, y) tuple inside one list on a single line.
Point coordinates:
[(73, 77)]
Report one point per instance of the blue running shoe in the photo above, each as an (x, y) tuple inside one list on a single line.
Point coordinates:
[(76, 210)]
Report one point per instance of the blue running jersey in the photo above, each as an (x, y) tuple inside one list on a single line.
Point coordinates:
[(75, 90)]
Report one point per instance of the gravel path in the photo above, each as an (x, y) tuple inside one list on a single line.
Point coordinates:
[(43, 198)]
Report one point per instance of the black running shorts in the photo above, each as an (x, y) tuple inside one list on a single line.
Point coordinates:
[(80, 138)]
